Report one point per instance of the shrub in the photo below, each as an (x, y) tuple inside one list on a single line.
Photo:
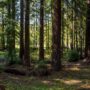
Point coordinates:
[(73, 56), (16, 60), (41, 65), (12, 62), (41, 69)]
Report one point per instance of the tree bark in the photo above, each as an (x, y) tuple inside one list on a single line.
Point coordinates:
[(21, 53), (27, 41), (56, 35), (41, 42), (87, 46)]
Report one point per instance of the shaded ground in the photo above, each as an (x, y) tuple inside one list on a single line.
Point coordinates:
[(74, 77), (71, 78)]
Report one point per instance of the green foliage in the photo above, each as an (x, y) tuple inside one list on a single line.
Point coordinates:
[(12, 58), (72, 56), (41, 65), (10, 31), (33, 49), (14, 61), (41, 69)]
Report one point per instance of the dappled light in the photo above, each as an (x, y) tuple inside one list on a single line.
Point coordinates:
[(44, 44), (73, 68), (71, 82), (63, 80), (85, 86), (47, 82)]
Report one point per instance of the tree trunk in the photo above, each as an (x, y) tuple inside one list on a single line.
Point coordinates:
[(87, 46), (13, 22), (27, 41), (56, 35), (41, 42), (3, 30), (21, 53)]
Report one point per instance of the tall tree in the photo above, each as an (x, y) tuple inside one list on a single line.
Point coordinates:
[(27, 41), (56, 35), (41, 48), (88, 32), (21, 53), (11, 30), (3, 30), (13, 2)]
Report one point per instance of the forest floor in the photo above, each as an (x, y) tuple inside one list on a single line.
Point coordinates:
[(75, 77)]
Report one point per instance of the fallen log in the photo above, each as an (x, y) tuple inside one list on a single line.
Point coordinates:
[(15, 71)]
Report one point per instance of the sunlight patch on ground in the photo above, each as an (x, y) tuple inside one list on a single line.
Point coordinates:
[(46, 82), (74, 69), (71, 82), (86, 86)]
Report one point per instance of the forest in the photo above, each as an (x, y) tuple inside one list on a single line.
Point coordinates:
[(44, 45)]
